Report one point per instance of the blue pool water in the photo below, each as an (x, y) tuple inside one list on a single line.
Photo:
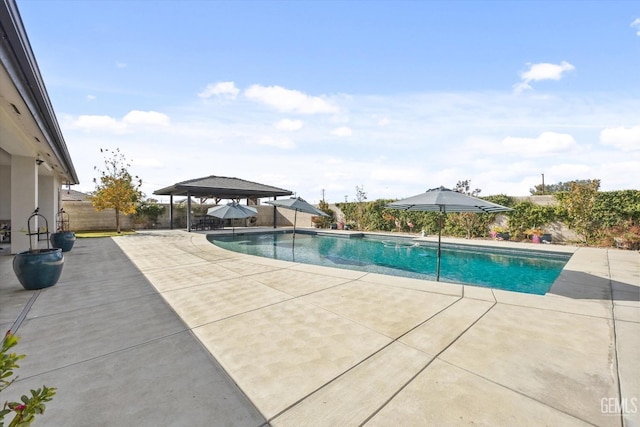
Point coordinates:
[(509, 269)]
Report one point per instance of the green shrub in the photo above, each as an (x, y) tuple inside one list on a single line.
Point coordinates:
[(26, 410)]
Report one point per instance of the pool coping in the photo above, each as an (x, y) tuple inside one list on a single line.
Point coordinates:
[(504, 247)]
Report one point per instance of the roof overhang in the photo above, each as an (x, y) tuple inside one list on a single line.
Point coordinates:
[(27, 118)]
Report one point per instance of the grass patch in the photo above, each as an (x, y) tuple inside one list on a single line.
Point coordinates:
[(86, 234)]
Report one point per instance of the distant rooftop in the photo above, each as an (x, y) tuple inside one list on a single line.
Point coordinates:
[(73, 196)]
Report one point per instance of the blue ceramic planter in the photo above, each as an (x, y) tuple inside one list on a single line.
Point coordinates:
[(63, 240), (38, 269)]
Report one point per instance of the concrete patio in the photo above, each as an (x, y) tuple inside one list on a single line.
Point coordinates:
[(163, 328)]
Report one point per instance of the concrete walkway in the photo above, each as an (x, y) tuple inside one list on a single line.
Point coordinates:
[(118, 354), (310, 345)]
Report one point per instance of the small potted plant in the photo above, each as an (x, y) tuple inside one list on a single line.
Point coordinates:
[(495, 230), (317, 221), (38, 268), (499, 233), (534, 234), (627, 236), (63, 238)]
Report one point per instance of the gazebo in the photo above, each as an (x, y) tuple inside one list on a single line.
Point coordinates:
[(219, 188)]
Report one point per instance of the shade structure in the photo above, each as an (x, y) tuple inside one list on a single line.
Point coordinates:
[(232, 210), (444, 200), (297, 204)]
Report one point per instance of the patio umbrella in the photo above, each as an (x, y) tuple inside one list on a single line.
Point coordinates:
[(444, 200), (232, 210), (297, 204)]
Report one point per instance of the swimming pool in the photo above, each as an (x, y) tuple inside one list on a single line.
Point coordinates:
[(509, 269)]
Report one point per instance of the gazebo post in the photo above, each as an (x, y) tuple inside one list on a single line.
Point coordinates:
[(188, 212), (275, 221), (171, 211)]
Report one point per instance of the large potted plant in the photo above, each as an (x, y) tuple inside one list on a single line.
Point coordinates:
[(63, 238), (38, 268)]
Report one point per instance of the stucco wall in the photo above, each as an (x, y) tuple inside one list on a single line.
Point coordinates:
[(5, 193), (540, 200)]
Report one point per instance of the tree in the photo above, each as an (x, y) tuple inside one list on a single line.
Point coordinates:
[(464, 187), (326, 221), (471, 222), (539, 189), (149, 209), (577, 205), (528, 216), (361, 196), (116, 189)]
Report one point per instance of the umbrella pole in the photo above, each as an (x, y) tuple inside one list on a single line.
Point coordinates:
[(295, 218), (439, 250)]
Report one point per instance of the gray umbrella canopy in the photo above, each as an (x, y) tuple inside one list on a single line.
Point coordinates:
[(297, 204), (444, 200), (232, 210)]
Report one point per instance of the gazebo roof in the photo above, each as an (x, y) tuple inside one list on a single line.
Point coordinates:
[(221, 187)]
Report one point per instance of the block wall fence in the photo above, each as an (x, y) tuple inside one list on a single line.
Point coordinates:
[(84, 217)]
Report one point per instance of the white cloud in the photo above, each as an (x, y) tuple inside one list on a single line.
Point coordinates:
[(97, 123), (90, 97), (435, 139), (569, 171), (120, 64), (285, 143), (334, 161), (288, 125), (618, 175), (342, 131), (287, 100), (622, 138), (548, 143), (398, 175), (636, 24), (146, 118), (102, 123), (150, 162), (384, 121), (542, 71), (224, 89), (336, 174)]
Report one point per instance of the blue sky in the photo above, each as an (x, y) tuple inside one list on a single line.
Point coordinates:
[(394, 96)]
